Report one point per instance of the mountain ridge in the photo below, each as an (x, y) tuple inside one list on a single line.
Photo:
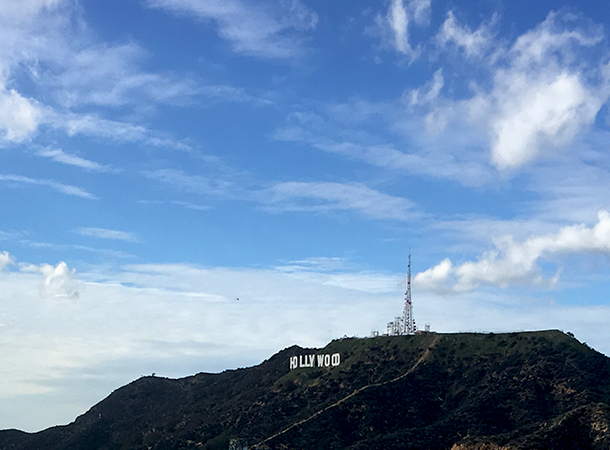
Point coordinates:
[(461, 391)]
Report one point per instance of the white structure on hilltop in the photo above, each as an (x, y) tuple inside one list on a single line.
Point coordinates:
[(406, 323)]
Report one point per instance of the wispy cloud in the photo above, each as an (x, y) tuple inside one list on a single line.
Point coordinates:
[(103, 75), (86, 80), (112, 76), (49, 44), (53, 43), (321, 264), (181, 203), (104, 233), (117, 131), (420, 143), (60, 156), (424, 155), (234, 94), (399, 23), (270, 30), (26, 9), (393, 28), (63, 247), (193, 206), (574, 187), (328, 197), (295, 196), (428, 93), (196, 184), (474, 43), (59, 187)]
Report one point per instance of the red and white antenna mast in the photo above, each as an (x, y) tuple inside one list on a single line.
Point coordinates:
[(408, 322)]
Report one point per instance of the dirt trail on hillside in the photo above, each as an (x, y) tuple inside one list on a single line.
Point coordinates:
[(421, 359)]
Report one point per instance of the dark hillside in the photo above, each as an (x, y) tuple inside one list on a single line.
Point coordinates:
[(539, 390)]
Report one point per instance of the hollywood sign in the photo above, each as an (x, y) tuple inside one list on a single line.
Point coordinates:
[(315, 361)]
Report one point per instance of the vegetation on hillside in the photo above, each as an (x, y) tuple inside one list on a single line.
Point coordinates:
[(466, 391)]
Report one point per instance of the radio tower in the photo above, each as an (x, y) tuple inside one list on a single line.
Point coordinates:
[(408, 322)]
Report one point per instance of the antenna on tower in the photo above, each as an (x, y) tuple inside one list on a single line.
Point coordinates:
[(404, 324), (408, 322)]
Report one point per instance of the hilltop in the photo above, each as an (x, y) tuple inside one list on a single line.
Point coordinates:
[(466, 391)]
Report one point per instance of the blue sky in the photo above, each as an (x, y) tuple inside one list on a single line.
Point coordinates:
[(160, 159)]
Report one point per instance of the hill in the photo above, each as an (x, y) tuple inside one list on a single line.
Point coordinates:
[(537, 390)]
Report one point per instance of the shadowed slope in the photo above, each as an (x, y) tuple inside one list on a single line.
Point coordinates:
[(540, 390)]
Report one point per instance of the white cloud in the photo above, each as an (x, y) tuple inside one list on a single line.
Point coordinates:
[(99, 74), (111, 76), (399, 23), (543, 93), (535, 112), (474, 43), (434, 278), (394, 27), (59, 187), (6, 260), (560, 34), (93, 125), (327, 196), (73, 160), (19, 10), (517, 262), (59, 281), (103, 233), (252, 28), (428, 93), (421, 10), (19, 116), (541, 98), (468, 233)]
